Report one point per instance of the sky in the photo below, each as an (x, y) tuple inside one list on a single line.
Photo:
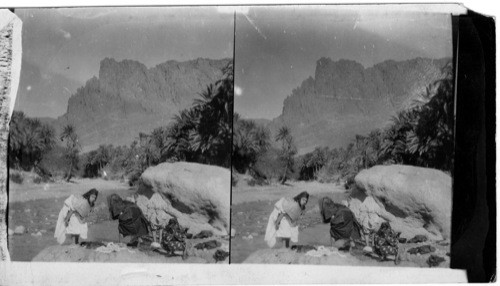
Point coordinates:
[(62, 48), (276, 48)]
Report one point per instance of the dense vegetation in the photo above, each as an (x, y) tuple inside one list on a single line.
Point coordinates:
[(201, 133), (421, 135), (29, 139)]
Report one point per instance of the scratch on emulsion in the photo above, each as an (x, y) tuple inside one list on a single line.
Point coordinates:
[(255, 26)]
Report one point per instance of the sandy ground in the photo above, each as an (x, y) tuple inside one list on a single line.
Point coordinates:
[(242, 194), (62, 189), (37, 206), (250, 213), (251, 207)]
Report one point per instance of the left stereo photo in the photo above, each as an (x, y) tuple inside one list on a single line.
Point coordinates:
[(119, 143)]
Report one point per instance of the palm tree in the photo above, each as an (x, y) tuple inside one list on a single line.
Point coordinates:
[(287, 152), (203, 133), (29, 140), (249, 141), (72, 149)]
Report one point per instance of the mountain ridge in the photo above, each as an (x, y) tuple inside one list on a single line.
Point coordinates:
[(344, 99), (127, 98)]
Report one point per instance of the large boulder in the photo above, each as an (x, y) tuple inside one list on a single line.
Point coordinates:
[(197, 195), (419, 198)]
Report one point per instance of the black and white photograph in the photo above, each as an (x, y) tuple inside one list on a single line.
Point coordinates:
[(188, 143), (119, 144), (343, 136)]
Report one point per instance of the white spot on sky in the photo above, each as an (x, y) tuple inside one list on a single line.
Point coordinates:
[(238, 91), (65, 34), (28, 88)]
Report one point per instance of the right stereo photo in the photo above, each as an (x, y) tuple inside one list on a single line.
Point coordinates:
[(343, 136)]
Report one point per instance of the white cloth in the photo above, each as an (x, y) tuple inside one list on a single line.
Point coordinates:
[(113, 247), (367, 213), (75, 225), (324, 251), (155, 210), (285, 230)]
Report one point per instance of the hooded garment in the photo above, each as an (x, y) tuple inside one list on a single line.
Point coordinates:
[(343, 224), (131, 220)]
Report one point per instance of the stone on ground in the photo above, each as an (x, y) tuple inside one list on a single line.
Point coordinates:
[(19, 229)]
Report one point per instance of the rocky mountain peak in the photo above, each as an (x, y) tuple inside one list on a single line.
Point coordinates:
[(344, 98), (127, 98)]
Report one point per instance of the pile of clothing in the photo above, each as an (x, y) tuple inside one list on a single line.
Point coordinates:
[(324, 251), (386, 242), (174, 238), (113, 247)]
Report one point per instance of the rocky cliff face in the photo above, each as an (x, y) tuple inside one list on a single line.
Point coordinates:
[(128, 98), (344, 99)]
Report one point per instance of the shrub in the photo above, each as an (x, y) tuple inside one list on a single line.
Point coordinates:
[(17, 178), (37, 180)]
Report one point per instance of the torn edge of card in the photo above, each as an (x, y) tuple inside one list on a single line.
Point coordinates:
[(10, 71)]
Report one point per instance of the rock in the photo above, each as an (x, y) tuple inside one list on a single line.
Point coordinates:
[(36, 234), (402, 240), (254, 234), (419, 198), (11, 232), (221, 255), (249, 237), (424, 249), (197, 195), (233, 232), (444, 243), (203, 234), (418, 239), (19, 229), (435, 260), (208, 245)]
